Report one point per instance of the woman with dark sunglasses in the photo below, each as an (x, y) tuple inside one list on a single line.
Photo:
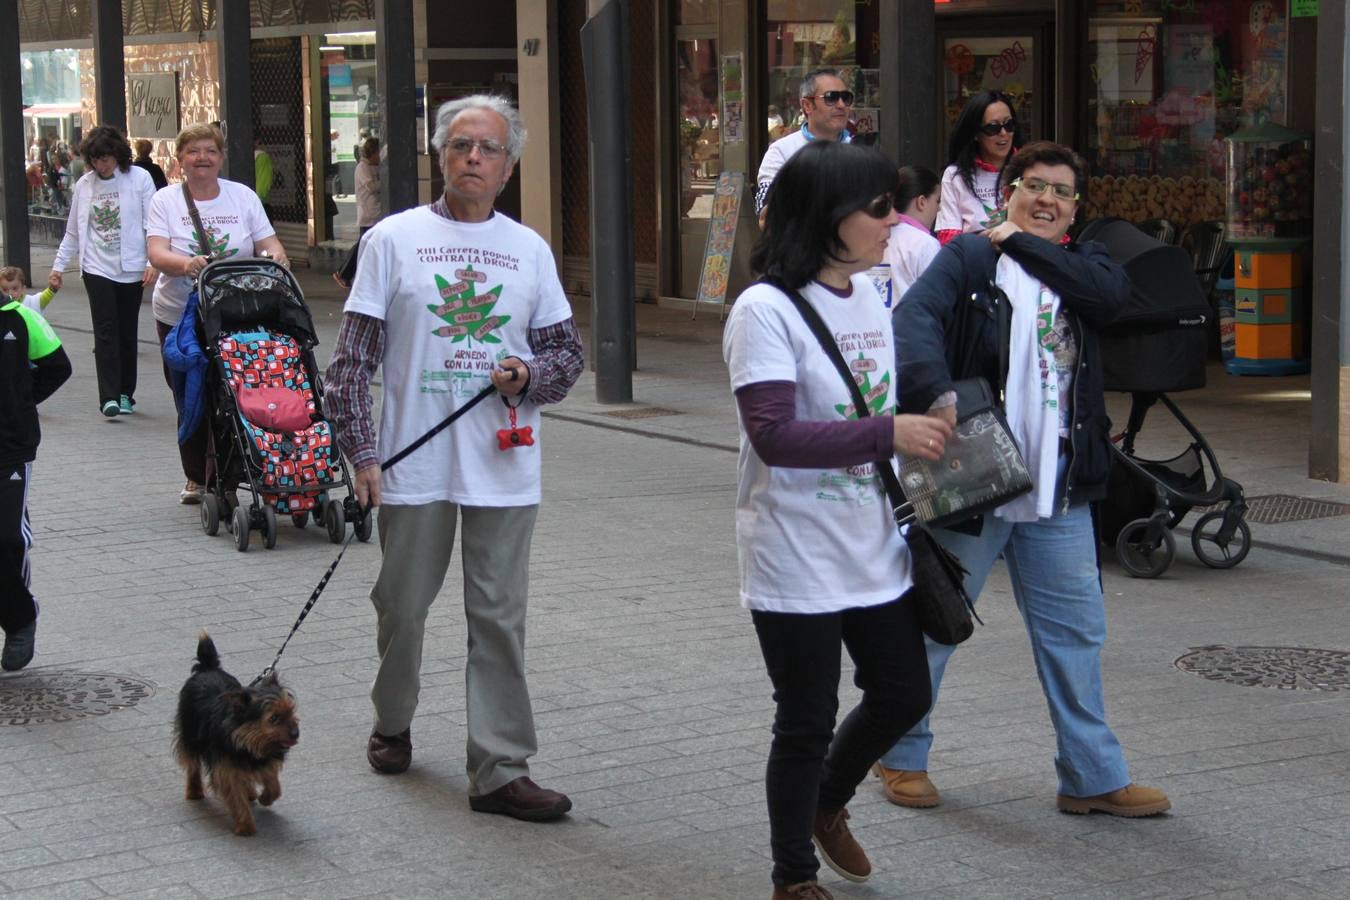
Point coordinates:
[(821, 561), (985, 136)]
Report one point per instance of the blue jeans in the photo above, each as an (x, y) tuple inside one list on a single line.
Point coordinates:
[(1052, 564)]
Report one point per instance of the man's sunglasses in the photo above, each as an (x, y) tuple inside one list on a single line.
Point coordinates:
[(833, 97), (993, 128)]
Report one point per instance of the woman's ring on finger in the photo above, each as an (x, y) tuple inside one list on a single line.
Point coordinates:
[(930, 443)]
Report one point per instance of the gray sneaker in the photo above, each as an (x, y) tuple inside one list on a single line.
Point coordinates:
[(19, 645)]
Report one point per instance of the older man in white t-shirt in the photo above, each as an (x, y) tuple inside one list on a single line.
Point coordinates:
[(451, 298), (826, 102)]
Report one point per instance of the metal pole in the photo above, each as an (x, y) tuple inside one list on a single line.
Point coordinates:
[(398, 103), (110, 80), (604, 50), (13, 153), (908, 84), (1330, 425), (236, 87)]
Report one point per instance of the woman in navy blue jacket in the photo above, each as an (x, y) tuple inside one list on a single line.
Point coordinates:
[(946, 330)]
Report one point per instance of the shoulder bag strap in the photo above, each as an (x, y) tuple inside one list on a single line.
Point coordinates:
[(197, 222), (901, 508), (1002, 313)]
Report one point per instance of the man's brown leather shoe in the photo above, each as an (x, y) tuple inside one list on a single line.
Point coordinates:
[(802, 890), (838, 847), (390, 755), (522, 799)]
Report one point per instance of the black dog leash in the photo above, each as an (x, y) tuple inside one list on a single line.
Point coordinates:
[(396, 458)]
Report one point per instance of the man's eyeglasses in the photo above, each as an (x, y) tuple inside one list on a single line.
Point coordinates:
[(833, 97), (1038, 187), (993, 128), (487, 148), (880, 206)]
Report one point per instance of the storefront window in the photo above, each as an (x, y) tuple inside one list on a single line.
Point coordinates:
[(1005, 63), (1169, 80), (810, 34)]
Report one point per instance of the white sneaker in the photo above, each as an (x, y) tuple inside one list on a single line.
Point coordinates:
[(191, 493)]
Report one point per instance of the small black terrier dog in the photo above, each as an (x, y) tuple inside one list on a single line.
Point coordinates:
[(238, 735)]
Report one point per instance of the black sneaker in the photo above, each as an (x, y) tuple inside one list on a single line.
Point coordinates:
[(19, 645)]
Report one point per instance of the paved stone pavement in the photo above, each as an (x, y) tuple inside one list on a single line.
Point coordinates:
[(652, 705)]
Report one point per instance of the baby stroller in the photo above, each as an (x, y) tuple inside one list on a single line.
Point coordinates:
[(265, 405), (1158, 345)]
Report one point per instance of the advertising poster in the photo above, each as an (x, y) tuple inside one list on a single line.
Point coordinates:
[(733, 99), (342, 116), (712, 284)]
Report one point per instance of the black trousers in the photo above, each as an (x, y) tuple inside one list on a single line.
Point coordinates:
[(808, 771), (115, 308), (17, 607), (193, 452)]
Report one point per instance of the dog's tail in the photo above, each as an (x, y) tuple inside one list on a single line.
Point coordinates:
[(208, 659)]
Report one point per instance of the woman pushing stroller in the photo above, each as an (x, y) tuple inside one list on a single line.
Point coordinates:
[(945, 331)]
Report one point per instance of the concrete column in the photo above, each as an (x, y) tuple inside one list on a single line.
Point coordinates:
[(110, 81), (398, 103), (540, 169), (236, 88), (13, 153), (1329, 445), (909, 117)]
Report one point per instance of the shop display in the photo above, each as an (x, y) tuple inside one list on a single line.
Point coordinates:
[(1135, 198), (1269, 183)]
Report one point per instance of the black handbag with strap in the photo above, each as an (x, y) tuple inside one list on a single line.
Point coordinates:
[(943, 607)]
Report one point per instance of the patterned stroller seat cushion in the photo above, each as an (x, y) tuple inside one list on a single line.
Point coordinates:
[(299, 459)]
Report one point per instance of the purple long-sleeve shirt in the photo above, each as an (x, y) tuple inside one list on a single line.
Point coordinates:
[(768, 412)]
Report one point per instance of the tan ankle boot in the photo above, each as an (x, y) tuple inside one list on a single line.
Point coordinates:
[(905, 788)]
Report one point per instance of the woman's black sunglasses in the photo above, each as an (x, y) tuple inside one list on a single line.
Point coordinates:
[(880, 207), (993, 128)]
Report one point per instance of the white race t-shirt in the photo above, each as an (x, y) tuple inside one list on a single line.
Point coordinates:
[(101, 250), (814, 540), (961, 210), (455, 298), (909, 250), (234, 222)]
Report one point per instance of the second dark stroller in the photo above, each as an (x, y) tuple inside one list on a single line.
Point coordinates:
[(265, 404), (1158, 345)]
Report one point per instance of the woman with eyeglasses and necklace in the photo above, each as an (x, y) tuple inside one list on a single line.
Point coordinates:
[(985, 135), (821, 561), (946, 330)]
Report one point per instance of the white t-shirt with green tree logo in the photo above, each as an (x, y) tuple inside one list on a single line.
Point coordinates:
[(814, 540), (455, 298)]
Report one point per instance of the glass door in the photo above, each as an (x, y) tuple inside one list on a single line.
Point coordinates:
[(699, 157)]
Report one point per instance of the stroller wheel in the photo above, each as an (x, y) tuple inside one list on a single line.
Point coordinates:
[(300, 519), (335, 521), (211, 515), (1211, 549), (365, 524), (269, 527), (241, 528), (1142, 557)]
